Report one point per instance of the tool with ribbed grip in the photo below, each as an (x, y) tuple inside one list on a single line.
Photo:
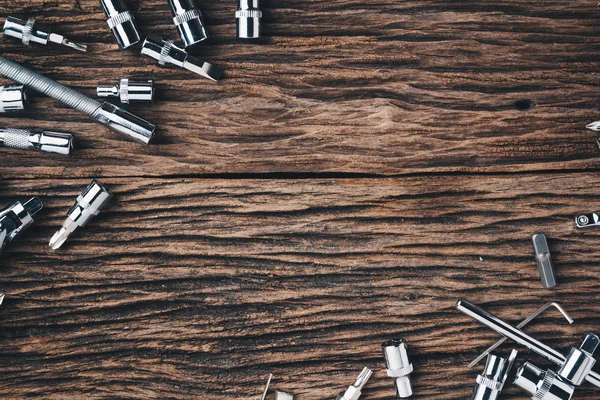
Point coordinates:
[(188, 20), (44, 141)]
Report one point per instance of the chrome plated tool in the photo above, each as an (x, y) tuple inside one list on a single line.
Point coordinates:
[(595, 126), (587, 220), (249, 18), (188, 20), (398, 366), (113, 117), (1, 298), (518, 336), (44, 141), (490, 383), (543, 260), (121, 22), (166, 53), (87, 205), (16, 218), (128, 90), (12, 99), (579, 362), (278, 395), (29, 32), (355, 391), (543, 385)]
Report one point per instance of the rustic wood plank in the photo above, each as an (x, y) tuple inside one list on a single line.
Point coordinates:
[(379, 87), (195, 288)]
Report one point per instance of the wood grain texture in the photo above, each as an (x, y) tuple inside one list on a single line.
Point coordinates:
[(411, 149)]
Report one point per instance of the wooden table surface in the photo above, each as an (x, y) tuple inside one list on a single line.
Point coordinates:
[(357, 170)]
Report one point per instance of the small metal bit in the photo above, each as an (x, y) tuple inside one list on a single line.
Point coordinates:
[(544, 260), (543, 385), (595, 126), (44, 141), (121, 22), (278, 395), (87, 205), (128, 90), (1, 298), (16, 218), (188, 20), (264, 395), (398, 366), (166, 53), (354, 391), (248, 17), (587, 220), (489, 385), (28, 32), (13, 99), (580, 361)]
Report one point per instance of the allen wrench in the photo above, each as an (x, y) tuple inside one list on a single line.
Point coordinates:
[(526, 321)]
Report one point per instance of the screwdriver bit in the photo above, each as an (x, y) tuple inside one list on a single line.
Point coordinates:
[(354, 391), (544, 260), (29, 32)]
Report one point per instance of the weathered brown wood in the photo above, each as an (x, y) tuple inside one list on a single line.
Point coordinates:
[(198, 288)]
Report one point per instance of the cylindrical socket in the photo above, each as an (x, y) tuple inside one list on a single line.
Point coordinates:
[(398, 366), (12, 99), (26, 31), (543, 385), (580, 361), (489, 384), (188, 20), (249, 18), (44, 141), (121, 22), (128, 90)]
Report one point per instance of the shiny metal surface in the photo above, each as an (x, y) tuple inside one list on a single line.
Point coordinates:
[(579, 362), (543, 385), (167, 54), (278, 395), (121, 22), (518, 336), (398, 366), (490, 383), (248, 19), (188, 20), (128, 90), (543, 260), (87, 206), (354, 391), (587, 220), (16, 218), (44, 141), (115, 118), (13, 99), (29, 32)]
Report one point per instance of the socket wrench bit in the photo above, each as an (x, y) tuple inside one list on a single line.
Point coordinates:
[(587, 220), (354, 391), (489, 385), (121, 22), (543, 385), (543, 260), (248, 17), (29, 32), (188, 20), (166, 53), (12, 99), (580, 361), (44, 141), (128, 90), (115, 118), (16, 218), (398, 366), (88, 205), (514, 334)]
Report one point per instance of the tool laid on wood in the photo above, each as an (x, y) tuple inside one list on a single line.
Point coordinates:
[(113, 117), (16, 218), (121, 22), (248, 19), (398, 366), (87, 206), (29, 32), (543, 260), (188, 20), (595, 126), (278, 395), (490, 383), (587, 220), (44, 141), (128, 90), (543, 385), (12, 99), (166, 53), (354, 391)]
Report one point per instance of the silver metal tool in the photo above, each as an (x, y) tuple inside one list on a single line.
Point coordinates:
[(579, 362), (595, 126), (543, 260), (188, 20), (518, 336), (87, 205), (543, 385), (1, 298), (249, 18), (490, 383), (29, 32), (121, 22), (522, 325), (128, 90), (16, 218), (44, 141), (398, 366), (166, 53), (113, 117), (12, 99), (587, 220), (354, 391), (278, 395)]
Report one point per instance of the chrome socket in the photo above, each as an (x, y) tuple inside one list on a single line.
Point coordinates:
[(121, 22), (490, 383), (188, 20), (16, 218), (128, 90), (249, 19), (579, 362), (44, 141), (398, 366), (543, 385), (12, 99)]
